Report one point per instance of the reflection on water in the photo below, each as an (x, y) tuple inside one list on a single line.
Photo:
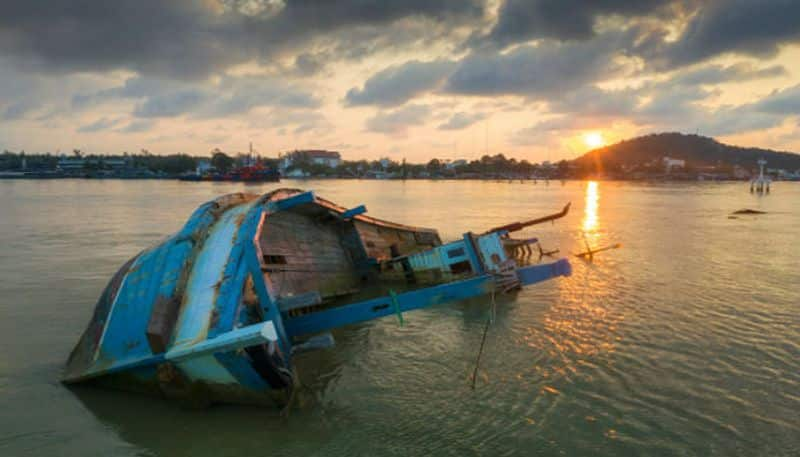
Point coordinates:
[(582, 323), (671, 346), (590, 207)]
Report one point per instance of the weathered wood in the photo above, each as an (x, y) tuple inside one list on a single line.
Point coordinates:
[(513, 227), (162, 322), (313, 252), (353, 212), (288, 303)]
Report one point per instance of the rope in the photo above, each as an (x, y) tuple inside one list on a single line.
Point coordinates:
[(397, 307), (292, 388), (489, 320)]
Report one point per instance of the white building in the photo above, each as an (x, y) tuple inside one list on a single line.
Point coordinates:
[(315, 156), (79, 163), (670, 163), (455, 163)]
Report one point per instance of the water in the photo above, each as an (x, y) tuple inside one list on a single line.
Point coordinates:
[(684, 342)]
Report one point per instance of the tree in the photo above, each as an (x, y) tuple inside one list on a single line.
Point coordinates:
[(221, 161), (434, 166), (563, 168)]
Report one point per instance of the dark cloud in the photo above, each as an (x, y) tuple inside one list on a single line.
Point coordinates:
[(326, 15), (398, 121), (398, 84), (26, 95), (139, 126), (784, 102), (591, 101), (728, 121), (676, 103), (462, 120), (17, 110), (309, 64), (550, 68), (171, 104), (228, 96), (133, 88), (554, 56), (715, 74), (519, 21), (185, 39), (192, 39), (680, 102), (240, 95), (751, 27), (99, 125)]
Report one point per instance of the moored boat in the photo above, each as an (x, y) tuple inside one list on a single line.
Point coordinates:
[(252, 174), (215, 312)]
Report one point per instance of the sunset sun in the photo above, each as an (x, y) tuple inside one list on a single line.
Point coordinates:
[(594, 139)]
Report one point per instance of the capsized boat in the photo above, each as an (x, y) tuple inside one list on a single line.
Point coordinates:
[(216, 312)]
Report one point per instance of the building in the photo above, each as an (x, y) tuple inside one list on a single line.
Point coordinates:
[(455, 164), (78, 163), (71, 163), (312, 156), (670, 164), (203, 167), (740, 172)]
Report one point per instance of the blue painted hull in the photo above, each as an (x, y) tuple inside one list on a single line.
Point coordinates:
[(213, 313)]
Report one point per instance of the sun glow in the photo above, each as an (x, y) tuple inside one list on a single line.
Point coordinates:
[(594, 139)]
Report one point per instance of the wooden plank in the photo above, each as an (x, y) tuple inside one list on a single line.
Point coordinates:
[(288, 303), (352, 212)]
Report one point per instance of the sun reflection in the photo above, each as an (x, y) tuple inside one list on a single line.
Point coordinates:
[(590, 208)]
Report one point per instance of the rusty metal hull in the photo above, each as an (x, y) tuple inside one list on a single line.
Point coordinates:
[(214, 313)]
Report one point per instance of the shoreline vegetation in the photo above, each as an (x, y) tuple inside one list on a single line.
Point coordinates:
[(666, 157)]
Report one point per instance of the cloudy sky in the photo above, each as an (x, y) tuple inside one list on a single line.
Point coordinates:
[(534, 79)]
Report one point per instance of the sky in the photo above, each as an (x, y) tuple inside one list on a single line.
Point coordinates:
[(414, 79)]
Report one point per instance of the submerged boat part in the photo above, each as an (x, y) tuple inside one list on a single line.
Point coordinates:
[(217, 311)]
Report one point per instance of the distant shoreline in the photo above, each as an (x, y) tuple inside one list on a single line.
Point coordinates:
[(327, 178)]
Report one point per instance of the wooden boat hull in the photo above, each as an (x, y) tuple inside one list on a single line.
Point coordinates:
[(214, 313)]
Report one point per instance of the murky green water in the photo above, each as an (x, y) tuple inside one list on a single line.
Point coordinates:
[(684, 342)]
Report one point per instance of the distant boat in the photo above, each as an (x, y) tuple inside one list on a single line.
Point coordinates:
[(255, 173), (216, 312)]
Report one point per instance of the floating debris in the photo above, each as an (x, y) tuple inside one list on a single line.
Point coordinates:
[(749, 211)]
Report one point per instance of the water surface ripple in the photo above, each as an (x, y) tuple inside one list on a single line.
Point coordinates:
[(684, 342)]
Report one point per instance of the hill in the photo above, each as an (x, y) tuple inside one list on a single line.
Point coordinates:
[(696, 150)]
